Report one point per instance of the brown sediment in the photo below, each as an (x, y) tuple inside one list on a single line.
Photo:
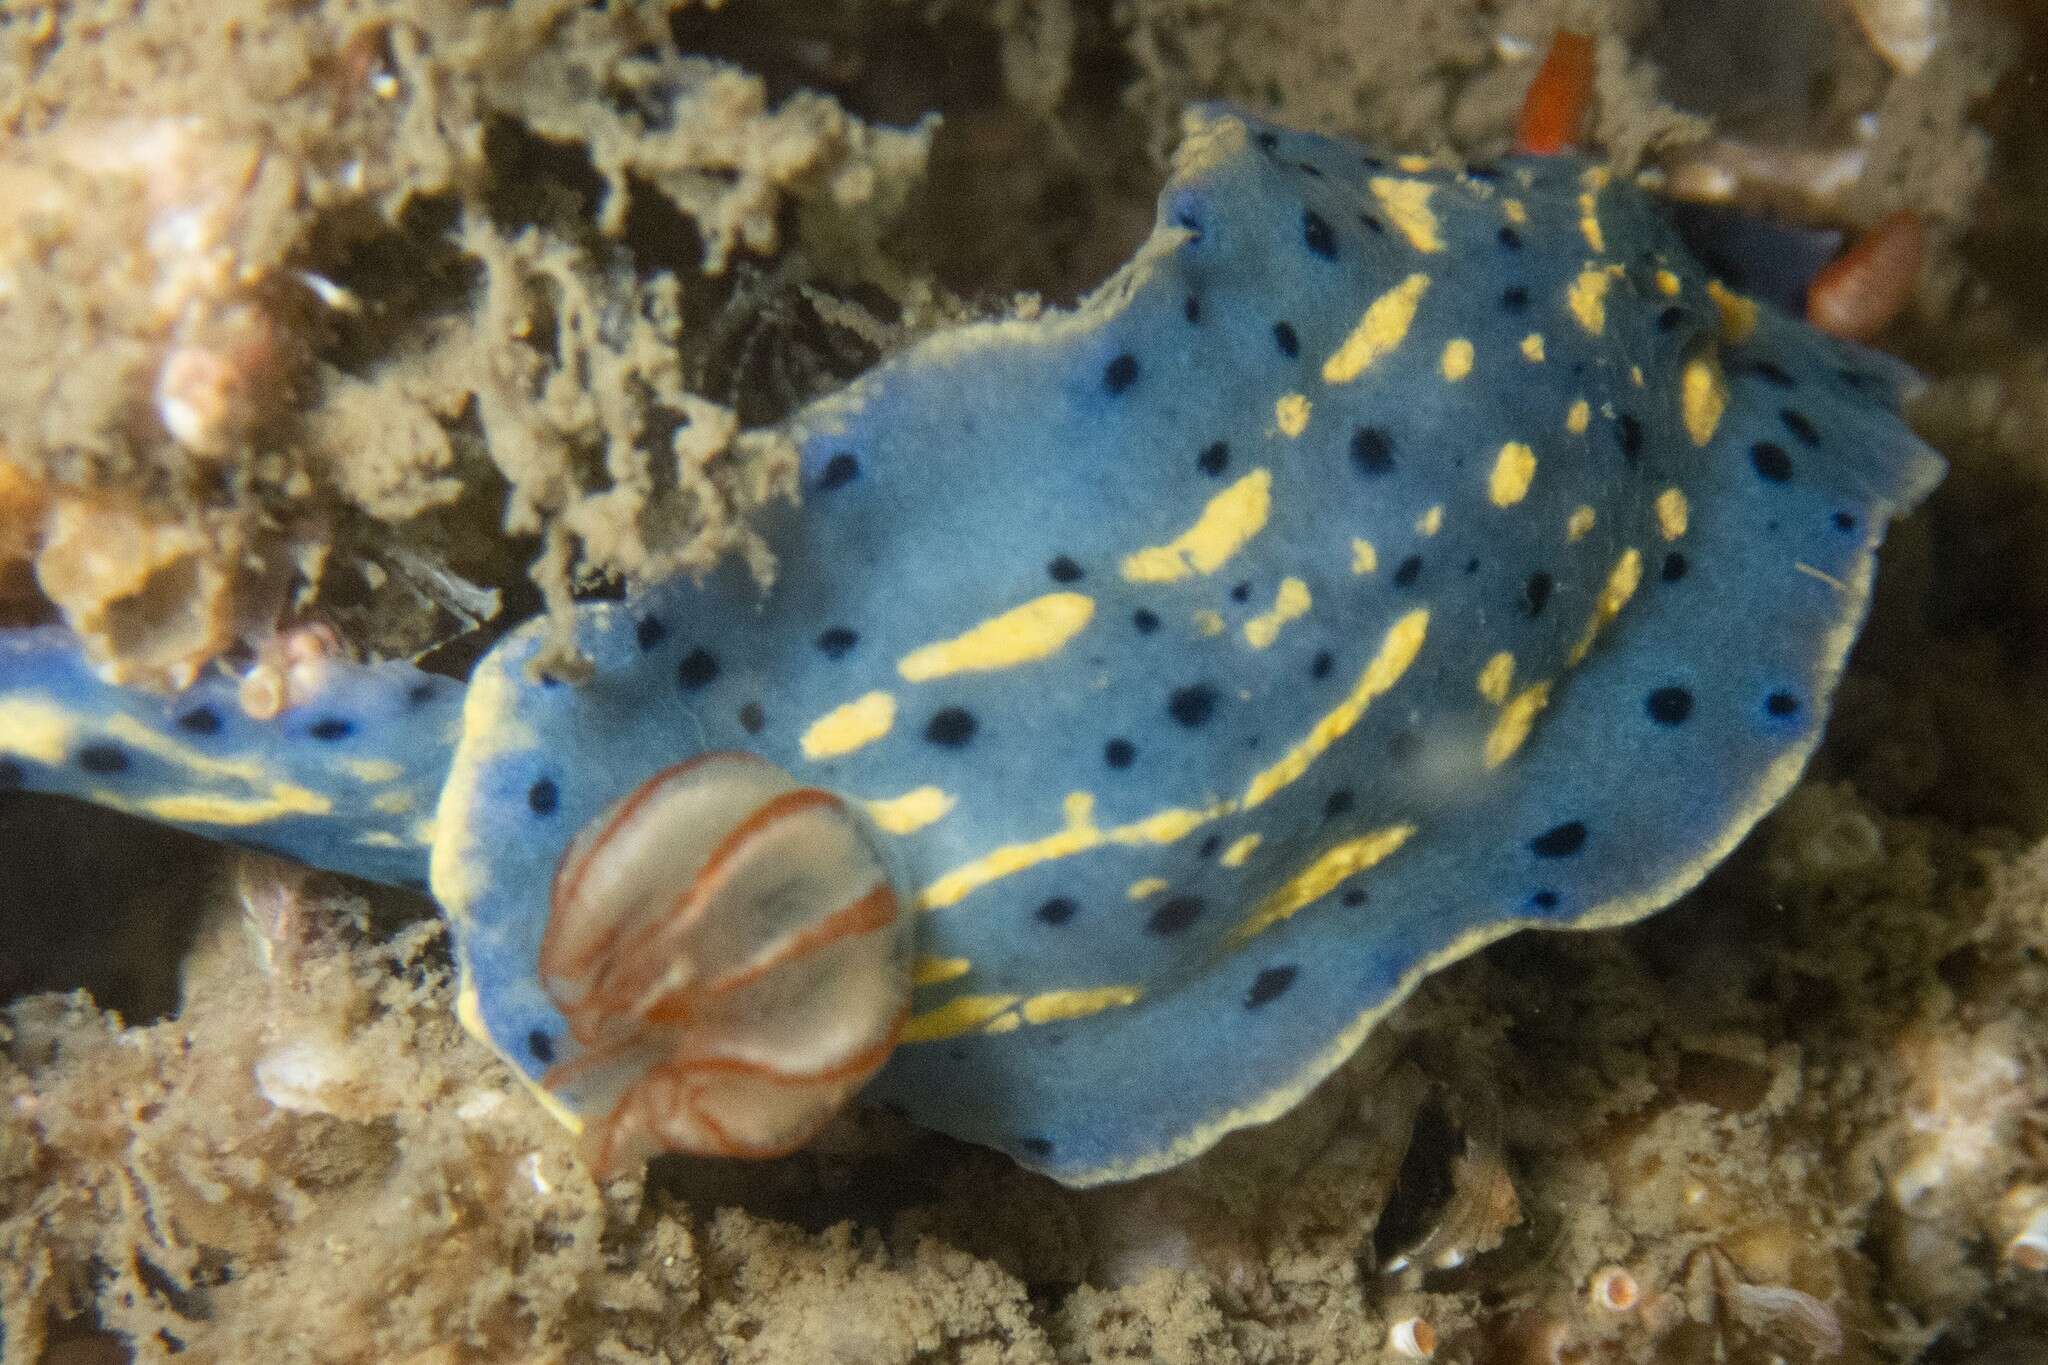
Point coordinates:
[(1802, 1112)]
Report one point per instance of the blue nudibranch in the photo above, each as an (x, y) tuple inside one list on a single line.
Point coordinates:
[(1390, 556)]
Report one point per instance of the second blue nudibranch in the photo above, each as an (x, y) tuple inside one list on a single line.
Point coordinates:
[(1392, 555)]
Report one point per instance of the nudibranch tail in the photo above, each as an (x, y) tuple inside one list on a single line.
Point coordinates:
[(343, 774), (731, 959)]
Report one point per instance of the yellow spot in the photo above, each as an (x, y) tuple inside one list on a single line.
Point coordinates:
[(1290, 414), (1457, 361), (933, 971), (1702, 397), (376, 838), (1579, 523), (1053, 1006), (1008, 1022), (1513, 470), (373, 771), (1230, 519), (910, 812), (1668, 283), (1738, 313), (1824, 576), (1403, 641), (1516, 718), (1578, 418), (392, 802), (1207, 622), (1673, 515), (1380, 329), (1241, 849), (1407, 204), (1413, 163), (230, 810), (1594, 180), (849, 726), (1635, 375), (1497, 677), (1515, 211), (36, 730), (1080, 835), (1430, 522), (1364, 559), (1532, 348), (1021, 635), (1588, 299), (1289, 602), (1321, 877), (1143, 887), (1622, 581), (957, 1016)]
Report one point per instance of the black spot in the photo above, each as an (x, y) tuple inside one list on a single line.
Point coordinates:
[(1797, 423), (420, 693), (1843, 521), (1210, 846), (1317, 233), (1037, 1146), (1214, 458), (542, 796), (1145, 621), (1352, 897), (1119, 753), (1286, 340), (1471, 566), (542, 1047), (1372, 224), (1371, 162), (1268, 141), (1314, 171), (1669, 705), (1514, 298), (1782, 704), (1174, 915), (1674, 567), (1773, 374), (1191, 308), (1402, 746), (1483, 170), (1058, 910), (1536, 592), (841, 470), (1628, 431), (11, 775), (1120, 373), (1510, 238), (1192, 705), (1543, 900), (650, 632), (1560, 841), (834, 641), (752, 718), (699, 668), (1269, 985), (1372, 450), (1320, 666), (104, 759), (1408, 571), (1241, 592), (1063, 570), (1668, 320), (200, 720), (1340, 802), (331, 728), (1771, 461), (952, 727)]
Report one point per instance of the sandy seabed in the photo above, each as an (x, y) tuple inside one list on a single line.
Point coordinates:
[(452, 275)]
